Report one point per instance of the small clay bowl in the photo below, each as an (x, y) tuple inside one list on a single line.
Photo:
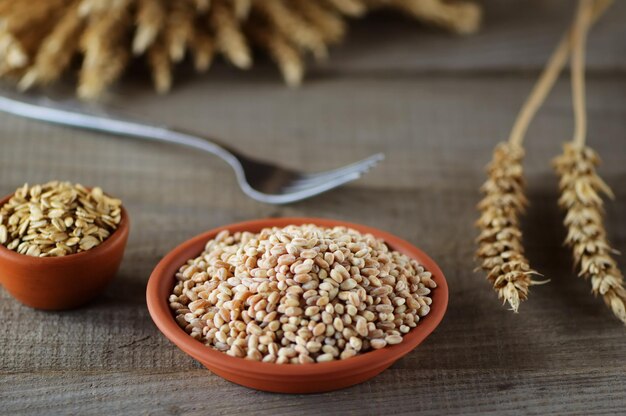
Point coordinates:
[(289, 378), (56, 283)]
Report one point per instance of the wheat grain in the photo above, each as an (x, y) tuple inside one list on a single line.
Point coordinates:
[(57, 219), (286, 295)]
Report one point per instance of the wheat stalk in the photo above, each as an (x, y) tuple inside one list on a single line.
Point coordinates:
[(582, 189), (40, 39)]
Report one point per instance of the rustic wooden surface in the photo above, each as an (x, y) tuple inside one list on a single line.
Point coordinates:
[(436, 105)]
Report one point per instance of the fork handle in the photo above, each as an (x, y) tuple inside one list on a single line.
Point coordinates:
[(115, 125)]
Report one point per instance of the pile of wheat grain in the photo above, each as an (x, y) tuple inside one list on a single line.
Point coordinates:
[(57, 218), (300, 294)]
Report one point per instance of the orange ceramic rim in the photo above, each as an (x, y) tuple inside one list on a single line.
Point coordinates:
[(163, 278), (15, 256)]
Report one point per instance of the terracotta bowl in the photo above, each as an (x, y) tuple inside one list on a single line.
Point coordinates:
[(56, 283), (288, 378)]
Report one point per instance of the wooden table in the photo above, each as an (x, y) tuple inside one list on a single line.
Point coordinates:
[(436, 105)]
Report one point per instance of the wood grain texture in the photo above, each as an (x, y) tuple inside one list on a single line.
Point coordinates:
[(436, 105)]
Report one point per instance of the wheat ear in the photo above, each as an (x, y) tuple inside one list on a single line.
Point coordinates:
[(581, 198), (582, 189), (500, 247)]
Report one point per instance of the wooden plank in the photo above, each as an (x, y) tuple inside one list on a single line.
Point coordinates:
[(396, 392)]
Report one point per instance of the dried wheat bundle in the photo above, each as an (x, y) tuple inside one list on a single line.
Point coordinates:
[(500, 246), (581, 190), (40, 39)]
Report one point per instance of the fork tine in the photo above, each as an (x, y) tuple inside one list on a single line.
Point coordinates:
[(312, 179), (373, 159), (360, 166), (314, 182), (306, 192)]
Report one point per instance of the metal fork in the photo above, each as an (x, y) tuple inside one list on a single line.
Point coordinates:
[(263, 181)]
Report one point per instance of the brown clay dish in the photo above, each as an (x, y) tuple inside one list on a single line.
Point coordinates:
[(56, 283), (289, 378)]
